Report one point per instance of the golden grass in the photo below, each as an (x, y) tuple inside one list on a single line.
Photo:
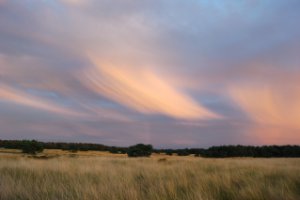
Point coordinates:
[(104, 177)]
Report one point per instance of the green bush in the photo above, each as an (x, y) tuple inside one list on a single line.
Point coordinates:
[(140, 150), (31, 146)]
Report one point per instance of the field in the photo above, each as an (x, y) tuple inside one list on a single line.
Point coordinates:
[(98, 175)]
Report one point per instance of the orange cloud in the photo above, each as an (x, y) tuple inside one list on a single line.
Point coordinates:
[(270, 105), (143, 91), (12, 95), (275, 109)]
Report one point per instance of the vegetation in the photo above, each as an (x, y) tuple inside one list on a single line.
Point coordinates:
[(140, 150), (151, 178), (17, 144), (31, 146), (212, 152), (239, 151), (250, 151)]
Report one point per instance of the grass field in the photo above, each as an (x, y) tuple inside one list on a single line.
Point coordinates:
[(99, 175)]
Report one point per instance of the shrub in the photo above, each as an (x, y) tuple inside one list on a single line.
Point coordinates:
[(140, 150), (31, 146), (73, 148), (183, 152)]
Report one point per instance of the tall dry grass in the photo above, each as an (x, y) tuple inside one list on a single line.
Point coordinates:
[(111, 178)]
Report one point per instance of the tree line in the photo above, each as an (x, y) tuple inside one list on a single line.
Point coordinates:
[(238, 151), (19, 144), (33, 146)]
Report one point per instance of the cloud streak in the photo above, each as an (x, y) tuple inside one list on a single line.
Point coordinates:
[(143, 91), (9, 94), (273, 109), (273, 105)]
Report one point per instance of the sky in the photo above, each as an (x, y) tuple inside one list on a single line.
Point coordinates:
[(171, 73)]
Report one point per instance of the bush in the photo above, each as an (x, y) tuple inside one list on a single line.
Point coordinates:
[(183, 152), (73, 148), (140, 150), (31, 146)]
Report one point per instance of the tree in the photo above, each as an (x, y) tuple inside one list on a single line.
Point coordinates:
[(140, 150), (31, 146)]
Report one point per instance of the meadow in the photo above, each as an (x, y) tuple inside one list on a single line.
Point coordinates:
[(89, 175)]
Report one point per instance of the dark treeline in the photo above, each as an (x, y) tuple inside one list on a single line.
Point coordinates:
[(18, 144), (238, 151), (215, 151)]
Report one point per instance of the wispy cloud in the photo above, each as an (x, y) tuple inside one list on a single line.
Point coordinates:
[(143, 91), (269, 104), (273, 109), (10, 94)]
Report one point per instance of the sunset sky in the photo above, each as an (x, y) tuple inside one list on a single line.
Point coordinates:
[(172, 73)]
